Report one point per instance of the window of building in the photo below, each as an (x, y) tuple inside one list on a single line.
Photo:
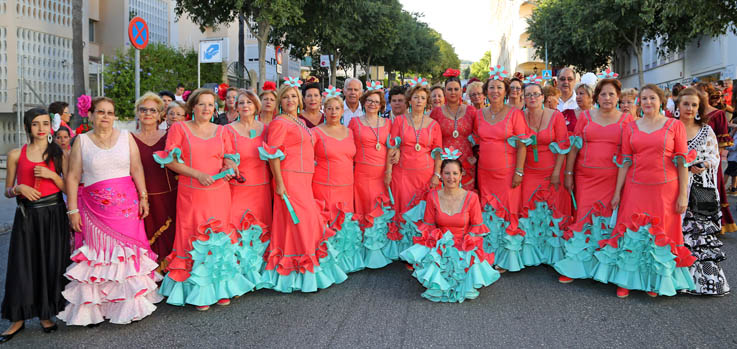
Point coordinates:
[(92, 30)]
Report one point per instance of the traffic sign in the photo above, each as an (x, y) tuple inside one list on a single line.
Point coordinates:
[(211, 51), (138, 33), (547, 74)]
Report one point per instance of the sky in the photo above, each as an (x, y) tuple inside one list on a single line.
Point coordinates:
[(466, 25)]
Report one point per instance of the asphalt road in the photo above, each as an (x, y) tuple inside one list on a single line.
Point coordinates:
[(383, 308)]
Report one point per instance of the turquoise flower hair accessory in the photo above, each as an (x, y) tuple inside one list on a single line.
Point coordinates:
[(331, 92), (450, 154), (418, 81), (533, 79), (608, 74), (498, 72), (292, 81), (374, 85)]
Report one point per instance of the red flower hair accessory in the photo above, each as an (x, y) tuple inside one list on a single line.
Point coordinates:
[(450, 72), (223, 91), (269, 86)]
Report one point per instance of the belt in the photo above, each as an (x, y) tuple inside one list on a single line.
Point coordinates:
[(46, 201)]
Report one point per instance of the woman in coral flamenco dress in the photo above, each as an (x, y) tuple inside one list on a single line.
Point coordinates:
[(456, 121), (646, 251), (333, 183), (298, 257), (113, 273), (592, 175), (250, 192), (371, 181), (449, 257), (203, 269), (418, 140), (500, 132)]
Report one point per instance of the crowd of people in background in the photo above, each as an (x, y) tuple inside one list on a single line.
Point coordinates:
[(295, 187)]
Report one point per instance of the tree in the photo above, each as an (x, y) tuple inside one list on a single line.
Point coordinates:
[(466, 73), (162, 67), (480, 68), (376, 32), (574, 38), (261, 17), (78, 50), (446, 59), (415, 48)]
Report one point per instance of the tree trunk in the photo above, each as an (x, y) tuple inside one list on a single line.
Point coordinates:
[(368, 66), (77, 54), (262, 36), (640, 73), (241, 48), (333, 67)]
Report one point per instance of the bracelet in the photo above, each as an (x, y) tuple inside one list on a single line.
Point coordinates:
[(438, 175), (569, 173), (71, 212), (143, 195), (519, 173)]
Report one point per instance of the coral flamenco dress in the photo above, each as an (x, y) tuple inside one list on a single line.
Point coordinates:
[(411, 179), (298, 257), (449, 258), (455, 134), (251, 202), (333, 185), (500, 202), (646, 251), (546, 210), (370, 195), (595, 181), (203, 268)]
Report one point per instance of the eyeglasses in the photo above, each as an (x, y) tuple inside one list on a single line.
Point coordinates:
[(560, 78), (533, 95), (477, 94), (173, 113), (143, 110), (372, 101), (515, 88), (101, 113)]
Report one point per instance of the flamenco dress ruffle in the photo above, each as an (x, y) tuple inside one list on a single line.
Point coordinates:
[(700, 236), (403, 231), (451, 269), (250, 251), (544, 228), (505, 238), (215, 271), (640, 256), (376, 228), (109, 280), (347, 241), (582, 241)]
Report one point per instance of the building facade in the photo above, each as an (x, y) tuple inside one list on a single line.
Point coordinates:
[(511, 46)]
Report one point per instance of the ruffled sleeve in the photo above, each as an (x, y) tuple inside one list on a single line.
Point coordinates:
[(563, 143), (476, 220), (173, 148), (274, 147), (518, 130), (229, 145), (681, 155)]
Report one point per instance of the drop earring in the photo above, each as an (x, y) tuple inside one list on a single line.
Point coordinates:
[(697, 117), (51, 139), (677, 114)]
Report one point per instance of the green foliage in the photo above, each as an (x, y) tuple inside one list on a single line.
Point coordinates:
[(162, 68), (446, 59), (480, 68), (466, 73), (681, 21), (415, 49)]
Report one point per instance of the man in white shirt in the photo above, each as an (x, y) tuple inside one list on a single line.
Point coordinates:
[(566, 81), (179, 92), (353, 89)]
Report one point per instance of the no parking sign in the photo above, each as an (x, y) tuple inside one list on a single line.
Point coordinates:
[(138, 33)]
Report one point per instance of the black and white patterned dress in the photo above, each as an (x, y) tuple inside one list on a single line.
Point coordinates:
[(702, 220)]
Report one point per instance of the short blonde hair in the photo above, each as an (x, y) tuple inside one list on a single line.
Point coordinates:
[(284, 89), (150, 96), (473, 85), (629, 93), (418, 88), (250, 95)]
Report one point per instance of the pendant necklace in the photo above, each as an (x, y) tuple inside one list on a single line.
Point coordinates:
[(417, 132), (455, 120), (375, 132)]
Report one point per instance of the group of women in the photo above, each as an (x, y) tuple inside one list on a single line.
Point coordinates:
[(460, 193)]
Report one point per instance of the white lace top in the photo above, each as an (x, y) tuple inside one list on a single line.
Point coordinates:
[(707, 148), (101, 164)]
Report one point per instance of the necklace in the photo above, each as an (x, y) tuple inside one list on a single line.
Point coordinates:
[(417, 132), (493, 114), (375, 132), (455, 120), (539, 124), (300, 124)]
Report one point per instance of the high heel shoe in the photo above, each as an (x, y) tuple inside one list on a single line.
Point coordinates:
[(7, 337), (50, 329)]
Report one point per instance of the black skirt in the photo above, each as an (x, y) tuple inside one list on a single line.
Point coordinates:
[(38, 256)]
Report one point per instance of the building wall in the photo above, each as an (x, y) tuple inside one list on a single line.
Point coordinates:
[(510, 46), (705, 58)]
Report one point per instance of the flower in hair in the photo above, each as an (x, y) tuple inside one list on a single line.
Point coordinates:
[(608, 74), (223, 91), (269, 86), (55, 122), (185, 95), (418, 81), (374, 85), (498, 72), (292, 81), (84, 103), (533, 79), (450, 154), (450, 72), (331, 92)]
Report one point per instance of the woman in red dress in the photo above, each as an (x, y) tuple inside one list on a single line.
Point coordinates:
[(646, 250), (499, 131), (160, 181), (333, 183), (418, 169), (452, 226), (250, 192), (592, 176), (298, 257), (546, 204), (312, 116), (456, 122), (201, 270)]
